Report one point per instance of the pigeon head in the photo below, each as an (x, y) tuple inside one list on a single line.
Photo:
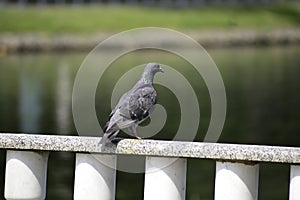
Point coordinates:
[(154, 67), (150, 70)]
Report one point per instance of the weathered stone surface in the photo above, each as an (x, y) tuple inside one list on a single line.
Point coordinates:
[(216, 151)]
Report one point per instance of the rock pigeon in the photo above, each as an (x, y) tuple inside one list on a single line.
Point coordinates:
[(134, 106)]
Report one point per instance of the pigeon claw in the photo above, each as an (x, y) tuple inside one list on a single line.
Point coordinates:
[(139, 138)]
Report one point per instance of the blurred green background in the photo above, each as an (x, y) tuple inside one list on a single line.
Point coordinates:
[(115, 18), (261, 77)]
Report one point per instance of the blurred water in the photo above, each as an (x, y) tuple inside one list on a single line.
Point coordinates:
[(262, 86)]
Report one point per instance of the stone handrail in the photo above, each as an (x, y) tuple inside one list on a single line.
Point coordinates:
[(237, 166)]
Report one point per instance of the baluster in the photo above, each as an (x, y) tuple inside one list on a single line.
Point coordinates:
[(25, 175), (165, 178), (295, 182), (235, 181), (95, 176)]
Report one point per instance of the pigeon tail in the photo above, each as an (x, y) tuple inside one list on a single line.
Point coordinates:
[(107, 137), (104, 140)]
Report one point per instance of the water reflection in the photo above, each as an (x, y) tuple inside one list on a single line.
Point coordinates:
[(30, 104), (63, 99)]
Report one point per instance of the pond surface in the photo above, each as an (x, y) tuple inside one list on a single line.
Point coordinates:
[(262, 87)]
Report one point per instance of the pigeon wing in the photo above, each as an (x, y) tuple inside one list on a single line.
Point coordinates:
[(120, 118), (133, 109), (124, 98), (141, 103)]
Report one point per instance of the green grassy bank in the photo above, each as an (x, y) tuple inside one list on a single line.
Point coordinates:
[(88, 19)]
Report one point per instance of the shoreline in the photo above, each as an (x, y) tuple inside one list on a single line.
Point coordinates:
[(39, 43)]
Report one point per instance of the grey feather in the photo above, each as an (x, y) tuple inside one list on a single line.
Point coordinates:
[(134, 106)]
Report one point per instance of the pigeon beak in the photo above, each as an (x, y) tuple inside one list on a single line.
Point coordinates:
[(161, 70)]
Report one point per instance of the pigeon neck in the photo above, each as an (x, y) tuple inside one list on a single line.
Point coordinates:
[(147, 77)]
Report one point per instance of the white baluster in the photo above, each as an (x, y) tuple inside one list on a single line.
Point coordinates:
[(26, 174), (165, 178), (236, 181), (295, 182), (95, 176)]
